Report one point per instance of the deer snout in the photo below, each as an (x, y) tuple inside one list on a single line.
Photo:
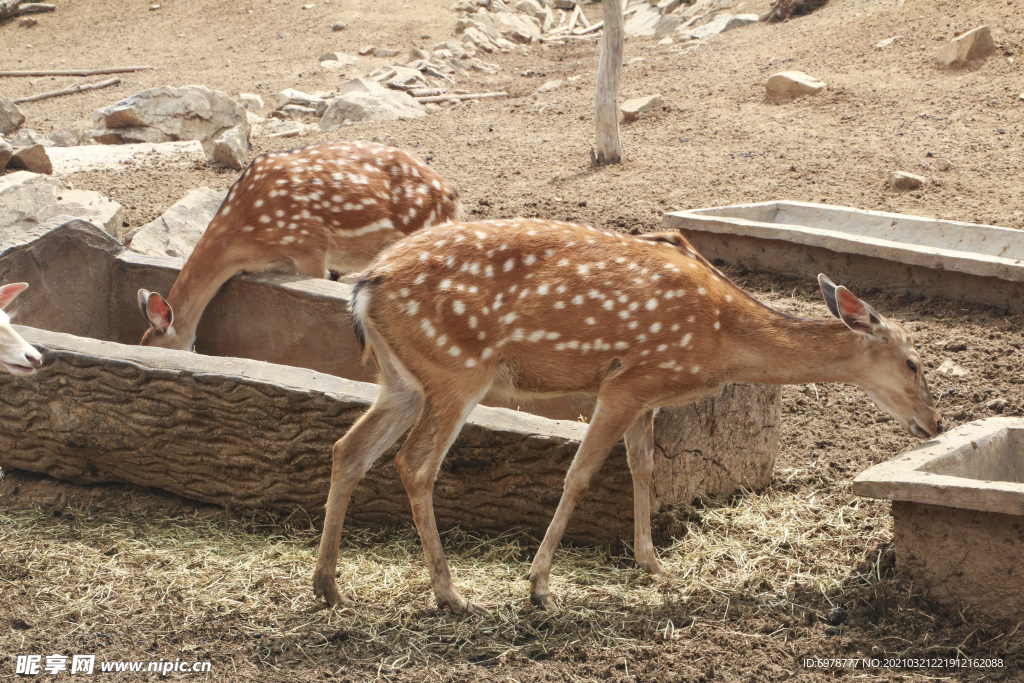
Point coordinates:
[(34, 358)]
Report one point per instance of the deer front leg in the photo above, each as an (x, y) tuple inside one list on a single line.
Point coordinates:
[(640, 454), (375, 432), (606, 427), (418, 462)]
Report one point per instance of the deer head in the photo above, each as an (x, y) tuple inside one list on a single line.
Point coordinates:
[(17, 355)]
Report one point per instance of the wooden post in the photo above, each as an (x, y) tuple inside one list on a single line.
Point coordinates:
[(608, 149)]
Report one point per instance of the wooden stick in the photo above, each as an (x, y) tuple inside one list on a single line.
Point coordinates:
[(31, 7), (286, 134), (583, 19), (427, 92), (445, 98), (79, 72), (575, 17), (71, 90), (599, 25)]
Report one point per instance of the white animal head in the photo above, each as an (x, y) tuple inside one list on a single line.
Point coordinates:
[(17, 356)]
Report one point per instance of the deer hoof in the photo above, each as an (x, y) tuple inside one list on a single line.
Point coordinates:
[(325, 587), (542, 600), (652, 567), (460, 605)]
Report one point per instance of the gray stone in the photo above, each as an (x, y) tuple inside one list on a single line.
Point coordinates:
[(666, 25), (26, 137), (885, 43), (787, 86), (549, 86), (166, 114), (290, 111), (339, 26), (943, 164), (178, 230), (948, 367), (416, 54), (250, 101), (27, 22), (289, 96), (32, 158), (340, 57), (27, 199), (68, 136), (384, 53), (68, 160), (231, 147), (478, 39), (667, 6), (362, 100), (970, 49), (702, 7), (366, 49), (643, 22), (6, 151), (11, 116), (722, 23), (633, 109), (405, 78), (902, 181), (530, 7), (561, 4)]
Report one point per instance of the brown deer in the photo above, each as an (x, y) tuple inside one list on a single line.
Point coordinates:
[(330, 206), (541, 308), (17, 356)]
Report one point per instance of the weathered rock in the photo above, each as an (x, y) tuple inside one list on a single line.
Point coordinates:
[(340, 57), (549, 86), (405, 78), (250, 101), (27, 199), (416, 54), (6, 151), (289, 96), (667, 24), (478, 39), (633, 109), (787, 86), (68, 136), (970, 49), (950, 368), (530, 7), (166, 114), (384, 53), (882, 44), (517, 27), (561, 4), (702, 7), (362, 100), (366, 49), (339, 26), (178, 230), (11, 116), (32, 158), (943, 164), (67, 160), (231, 147), (27, 22), (722, 23), (667, 6), (26, 137), (643, 22), (902, 181), (289, 111)]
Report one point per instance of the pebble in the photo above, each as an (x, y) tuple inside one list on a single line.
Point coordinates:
[(339, 26)]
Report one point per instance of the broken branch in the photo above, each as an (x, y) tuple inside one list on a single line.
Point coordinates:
[(445, 98), (82, 87), (79, 72)]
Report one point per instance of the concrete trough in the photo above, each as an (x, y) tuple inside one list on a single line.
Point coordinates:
[(958, 516), (864, 249), (250, 419)]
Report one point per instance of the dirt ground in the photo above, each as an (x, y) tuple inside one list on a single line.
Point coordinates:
[(713, 143)]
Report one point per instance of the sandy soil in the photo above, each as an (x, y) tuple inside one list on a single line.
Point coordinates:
[(713, 143)]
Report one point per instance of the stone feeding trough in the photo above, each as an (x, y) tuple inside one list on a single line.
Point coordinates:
[(864, 249), (250, 419), (958, 516)]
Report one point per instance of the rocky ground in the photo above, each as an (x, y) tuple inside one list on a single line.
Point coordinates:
[(714, 141)]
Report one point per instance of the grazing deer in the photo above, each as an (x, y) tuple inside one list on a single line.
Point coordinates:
[(17, 355), (543, 308), (330, 206)]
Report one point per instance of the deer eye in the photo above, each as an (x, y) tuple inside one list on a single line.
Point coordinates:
[(912, 365)]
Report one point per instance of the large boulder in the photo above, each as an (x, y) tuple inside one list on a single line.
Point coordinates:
[(167, 114), (27, 199), (31, 158), (178, 230), (362, 100)]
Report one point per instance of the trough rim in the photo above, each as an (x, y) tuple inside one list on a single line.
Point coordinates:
[(903, 477), (935, 258)]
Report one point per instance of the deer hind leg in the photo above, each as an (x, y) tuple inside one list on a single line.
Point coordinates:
[(418, 462), (640, 454), (388, 418), (610, 421)]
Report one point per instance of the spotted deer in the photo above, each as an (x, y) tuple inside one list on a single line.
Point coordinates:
[(542, 308), (17, 355), (329, 206)]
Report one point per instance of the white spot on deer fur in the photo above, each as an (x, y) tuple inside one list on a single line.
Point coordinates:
[(450, 261), (479, 235), (529, 260), (582, 270), (288, 239), (560, 289), (428, 328), (424, 256), (442, 340), (472, 322), (691, 318), (248, 228), (458, 307), (507, 318), (696, 369), (564, 262), (454, 350), (382, 224), (537, 336), (675, 327), (632, 324), (265, 219), (552, 336), (686, 339), (486, 353), (590, 321), (651, 304), (509, 265), (445, 284), (609, 304), (572, 345), (718, 325), (419, 279), (412, 306), (662, 347), (655, 327), (559, 304), (470, 362), (518, 334), (728, 297), (620, 345), (702, 291)]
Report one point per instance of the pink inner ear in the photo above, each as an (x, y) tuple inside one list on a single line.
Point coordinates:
[(8, 292), (159, 312), (849, 305)]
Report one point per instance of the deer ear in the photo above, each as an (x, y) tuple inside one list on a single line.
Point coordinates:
[(157, 311), (828, 290), (857, 315), (8, 292)]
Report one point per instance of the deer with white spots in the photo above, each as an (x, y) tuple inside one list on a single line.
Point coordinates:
[(308, 211), (17, 356), (542, 308)]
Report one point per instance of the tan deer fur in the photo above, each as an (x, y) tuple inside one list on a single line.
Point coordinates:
[(17, 356), (330, 206), (541, 308)]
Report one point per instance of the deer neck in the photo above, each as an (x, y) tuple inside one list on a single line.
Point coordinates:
[(196, 285), (773, 348)]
